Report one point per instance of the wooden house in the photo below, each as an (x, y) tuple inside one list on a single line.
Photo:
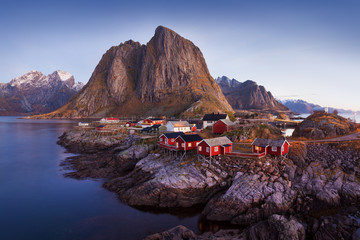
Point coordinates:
[(223, 125), (210, 119), (214, 146), (276, 147), (178, 126), (169, 138), (187, 142), (152, 121), (109, 120), (131, 123)]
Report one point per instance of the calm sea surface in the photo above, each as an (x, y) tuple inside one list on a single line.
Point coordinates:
[(37, 202)]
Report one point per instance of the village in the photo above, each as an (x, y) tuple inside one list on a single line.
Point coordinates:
[(181, 138)]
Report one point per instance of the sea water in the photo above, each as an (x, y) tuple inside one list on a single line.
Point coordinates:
[(38, 202)]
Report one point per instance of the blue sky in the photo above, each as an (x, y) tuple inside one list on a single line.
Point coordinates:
[(297, 49)]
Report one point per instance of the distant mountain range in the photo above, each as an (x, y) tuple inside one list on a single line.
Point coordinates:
[(301, 106), (167, 76), (248, 95), (34, 93)]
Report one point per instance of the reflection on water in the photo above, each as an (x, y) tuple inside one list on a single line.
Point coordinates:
[(37, 202)]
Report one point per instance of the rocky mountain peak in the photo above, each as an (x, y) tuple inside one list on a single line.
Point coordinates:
[(248, 95), (34, 92), (63, 76), (28, 78), (167, 76)]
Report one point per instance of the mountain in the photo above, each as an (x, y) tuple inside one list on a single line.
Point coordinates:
[(34, 93), (167, 76), (248, 95), (301, 106)]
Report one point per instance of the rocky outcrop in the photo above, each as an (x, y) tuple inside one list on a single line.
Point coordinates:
[(163, 182), (323, 125), (34, 93), (176, 233), (248, 95), (250, 199), (167, 76), (277, 227), (78, 141)]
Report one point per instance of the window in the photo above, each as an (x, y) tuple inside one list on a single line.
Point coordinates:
[(256, 148), (282, 149), (183, 144), (216, 149), (173, 140), (274, 149), (200, 148), (207, 149), (189, 144), (197, 143)]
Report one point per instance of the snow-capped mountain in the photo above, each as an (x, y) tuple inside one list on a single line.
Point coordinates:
[(35, 92)]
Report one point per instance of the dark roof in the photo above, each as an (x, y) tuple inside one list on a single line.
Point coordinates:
[(156, 126), (131, 121), (191, 138), (214, 117), (101, 126), (226, 145), (147, 129), (269, 142), (173, 134), (156, 119)]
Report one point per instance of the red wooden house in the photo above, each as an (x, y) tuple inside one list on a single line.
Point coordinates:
[(153, 121), (223, 125), (214, 146), (276, 147), (169, 138), (188, 142), (131, 123)]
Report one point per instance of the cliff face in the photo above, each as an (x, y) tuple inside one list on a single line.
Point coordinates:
[(248, 95), (167, 76), (35, 92)]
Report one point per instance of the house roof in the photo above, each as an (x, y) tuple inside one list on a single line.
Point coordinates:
[(219, 141), (214, 117), (111, 119), (155, 119), (147, 129), (191, 138), (173, 134), (179, 123), (131, 122), (227, 122), (261, 142), (156, 126)]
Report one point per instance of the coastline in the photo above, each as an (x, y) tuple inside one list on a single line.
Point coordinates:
[(144, 177)]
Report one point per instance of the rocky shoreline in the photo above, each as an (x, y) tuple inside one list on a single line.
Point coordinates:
[(257, 195)]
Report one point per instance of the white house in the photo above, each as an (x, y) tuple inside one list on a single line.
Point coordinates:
[(83, 124), (210, 119), (109, 120), (178, 126)]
